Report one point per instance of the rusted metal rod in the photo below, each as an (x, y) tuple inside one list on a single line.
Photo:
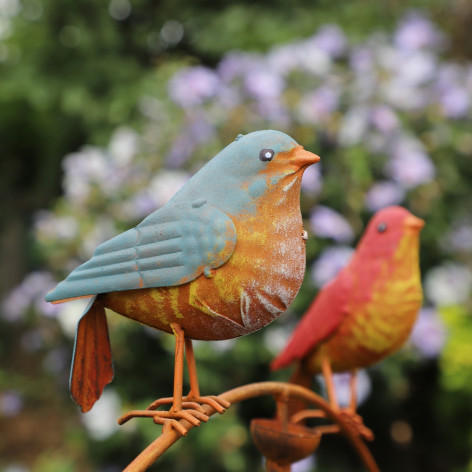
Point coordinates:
[(169, 436)]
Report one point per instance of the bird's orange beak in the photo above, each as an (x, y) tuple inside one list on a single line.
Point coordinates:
[(301, 158), (413, 222)]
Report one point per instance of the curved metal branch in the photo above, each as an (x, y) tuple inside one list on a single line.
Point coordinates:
[(169, 436)]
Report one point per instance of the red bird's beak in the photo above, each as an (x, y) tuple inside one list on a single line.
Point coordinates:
[(301, 158), (413, 222)]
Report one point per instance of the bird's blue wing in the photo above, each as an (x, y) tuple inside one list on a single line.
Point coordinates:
[(172, 246)]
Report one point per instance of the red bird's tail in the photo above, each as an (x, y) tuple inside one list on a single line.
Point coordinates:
[(92, 366)]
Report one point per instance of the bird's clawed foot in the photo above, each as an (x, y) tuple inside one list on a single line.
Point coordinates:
[(190, 411), (356, 424), (348, 417), (192, 401)]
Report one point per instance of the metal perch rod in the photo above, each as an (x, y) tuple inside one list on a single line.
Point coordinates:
[(169, 436)]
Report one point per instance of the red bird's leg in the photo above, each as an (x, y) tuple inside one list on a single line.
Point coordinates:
[(194, 394), (328, 377), (353, 388)]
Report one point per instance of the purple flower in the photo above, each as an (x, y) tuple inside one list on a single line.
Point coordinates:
[(383, 194), (429, 334), (361, 59), (236, 64), (329, 263), (455, 102), (459, 238), (327, 223), (50, 226), (30, 292), (448, 284), (416, 32), (343, 389), (403, 96), (330, 39), (312, 182), (284, 58), (318, 105), (384, 119), (123, 145), (195, 130), (416, 68), (264, 84), (10, 403), (193, 85), (353, 126), (410, 165), (304, 465), (165, 184)]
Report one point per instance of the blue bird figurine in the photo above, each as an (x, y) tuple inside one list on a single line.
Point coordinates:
[(223, 258)]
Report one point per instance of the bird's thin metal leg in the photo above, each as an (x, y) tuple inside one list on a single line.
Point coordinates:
[(192, 369), (178, 366), (328, 377), (194, 395), (353, 388)]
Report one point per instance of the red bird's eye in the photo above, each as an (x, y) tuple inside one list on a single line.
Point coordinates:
[(382, 227), (266, 154)]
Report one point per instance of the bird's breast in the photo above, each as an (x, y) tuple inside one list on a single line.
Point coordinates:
[(256, 284)]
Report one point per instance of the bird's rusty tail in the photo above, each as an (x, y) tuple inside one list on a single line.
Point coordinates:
[(92, 366)]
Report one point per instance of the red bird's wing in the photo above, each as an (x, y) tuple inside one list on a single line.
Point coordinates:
[(319, 322)]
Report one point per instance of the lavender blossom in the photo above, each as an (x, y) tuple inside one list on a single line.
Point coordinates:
[(353, 126), (459, 238), (318, 105), (342, 386), (417, 32), (312, 182), (383, 194), (29, 293), (11, 403), (384, 119), (123, 145), (429, 334), (448, 284), (101, 420), (328, 223), (331, 40), (410, 165), (192, 86), (264, 84), (304, 465), (455, 102), (329, 263)]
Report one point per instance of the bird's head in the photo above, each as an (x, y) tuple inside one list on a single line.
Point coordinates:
[(267, 152), (387, 230), (248, 168)]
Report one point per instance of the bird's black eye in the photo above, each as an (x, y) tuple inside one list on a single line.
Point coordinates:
[(382, 227), (266, 154)]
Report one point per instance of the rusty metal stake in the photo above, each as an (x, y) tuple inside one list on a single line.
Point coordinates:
[(275, 389)]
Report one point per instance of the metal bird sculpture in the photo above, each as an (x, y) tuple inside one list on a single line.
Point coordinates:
[(223, 258), (367, 312)]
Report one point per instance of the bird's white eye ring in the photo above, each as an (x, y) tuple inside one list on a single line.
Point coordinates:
[(382, 227), (266, 154)]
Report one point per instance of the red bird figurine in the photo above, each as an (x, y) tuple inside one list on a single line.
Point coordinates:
[(223, 258), (368, 311)]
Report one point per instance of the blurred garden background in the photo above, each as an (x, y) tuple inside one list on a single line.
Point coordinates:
[(107, 108)]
